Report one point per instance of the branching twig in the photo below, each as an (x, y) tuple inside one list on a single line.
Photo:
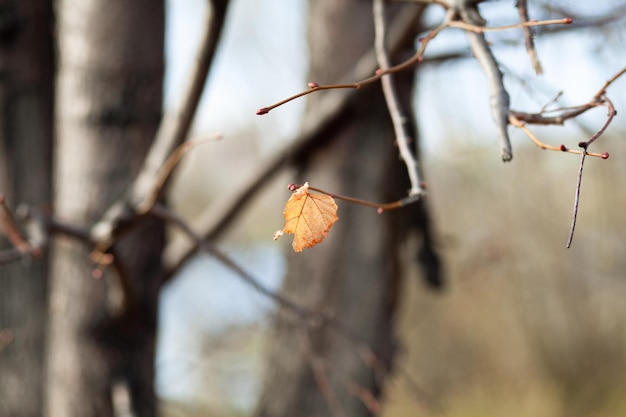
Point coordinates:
[(561, 148), (162, 212), (172, 132), (398, 116), (332, 109), (175, 127), (166, 171), (584, 145)]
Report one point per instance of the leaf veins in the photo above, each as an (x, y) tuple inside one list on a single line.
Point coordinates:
[(308, 217)]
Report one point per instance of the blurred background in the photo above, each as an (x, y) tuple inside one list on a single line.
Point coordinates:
[(525, 326)]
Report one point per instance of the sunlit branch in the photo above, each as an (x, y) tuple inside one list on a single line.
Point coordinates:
[(561, 148), (532, 23), (398, 116)]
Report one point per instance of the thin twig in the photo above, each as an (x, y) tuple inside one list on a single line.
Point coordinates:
[(606, 85), (576, 199), (409, 199), (398, 116), (166, 171), (320, 376), (561, 148), (612, 112), (472, 27), (378, 74), (175, 126)]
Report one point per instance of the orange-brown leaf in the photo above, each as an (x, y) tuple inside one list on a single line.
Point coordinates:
[(308, 217)]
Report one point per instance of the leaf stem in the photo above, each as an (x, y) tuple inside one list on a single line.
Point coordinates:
[(409, 199)]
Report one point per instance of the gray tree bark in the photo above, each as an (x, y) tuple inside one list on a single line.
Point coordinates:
[(354, 274), (26, 136), (102, 333)]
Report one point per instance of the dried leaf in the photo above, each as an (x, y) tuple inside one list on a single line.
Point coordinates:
[(308, 217)]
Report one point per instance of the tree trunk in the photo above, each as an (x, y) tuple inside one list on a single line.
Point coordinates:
[(354, 274), (26, 133), (102, 334)]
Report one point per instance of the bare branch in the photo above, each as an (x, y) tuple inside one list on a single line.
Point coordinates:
[(579, 179), (522, 8), (172, 132), (499, 98), (160, 211), (561, 148), (175, 126), (398, 116)]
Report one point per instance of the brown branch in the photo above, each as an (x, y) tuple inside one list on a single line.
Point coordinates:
[(165, 172), (561, 148), (409, 199), (320, 376), (571, 112), (579, 179), (473, 27), (160, 211), (175, 126), (612, 112), (377, 71), (172, 132)]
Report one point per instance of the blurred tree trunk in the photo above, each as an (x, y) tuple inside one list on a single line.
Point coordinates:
[(26, 134), (102, 333), (354, 274)]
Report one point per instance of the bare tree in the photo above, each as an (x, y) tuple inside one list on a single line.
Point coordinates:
[(333, 337), (102, 333)]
